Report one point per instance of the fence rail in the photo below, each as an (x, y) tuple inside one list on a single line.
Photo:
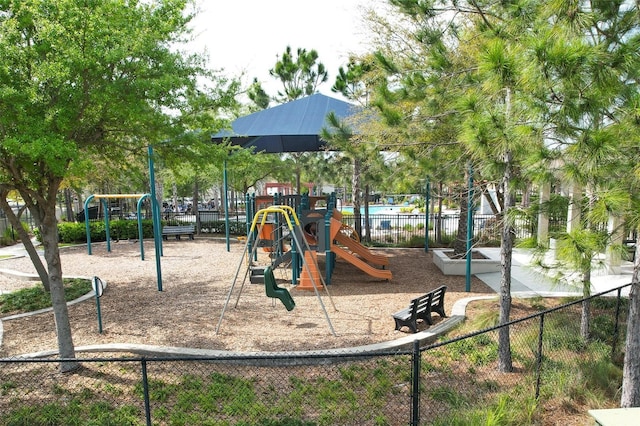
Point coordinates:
[(400, 229), (451, 381)]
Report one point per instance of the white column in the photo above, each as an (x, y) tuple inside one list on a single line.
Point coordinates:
[(612, 258), (543, 216), (573, 216)]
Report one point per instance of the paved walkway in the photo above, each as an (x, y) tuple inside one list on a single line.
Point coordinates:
[(528, 281), (19, 250)]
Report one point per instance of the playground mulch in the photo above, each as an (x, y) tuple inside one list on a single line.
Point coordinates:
[(196, 279)]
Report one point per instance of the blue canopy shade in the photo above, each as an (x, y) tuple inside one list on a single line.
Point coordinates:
[(291, 127)]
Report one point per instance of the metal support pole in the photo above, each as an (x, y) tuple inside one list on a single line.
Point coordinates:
[(86, 222), (415, 384), (157, 237), (140, 228), (225, 183), (539, 357), (107, 227), (145, 393)]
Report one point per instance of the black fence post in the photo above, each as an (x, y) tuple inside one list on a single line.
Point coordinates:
[(415, 384), (539, 360), (145, 390)]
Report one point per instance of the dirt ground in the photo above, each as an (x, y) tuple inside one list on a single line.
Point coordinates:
[(197, 278)]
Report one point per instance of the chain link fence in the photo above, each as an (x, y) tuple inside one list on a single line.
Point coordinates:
[(455, 380)]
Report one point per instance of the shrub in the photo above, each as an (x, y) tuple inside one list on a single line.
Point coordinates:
[(69, 232), (7, 237), (76, 232)]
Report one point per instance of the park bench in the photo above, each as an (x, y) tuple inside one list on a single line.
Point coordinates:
[(178, 230), (421, 308)]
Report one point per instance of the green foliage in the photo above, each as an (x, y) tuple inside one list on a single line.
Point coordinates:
[(602, 375), (299, 73), (76, 92), (8, 237), (76, 232), (480, 350), (35, 298), (528, 243), (75, 412)]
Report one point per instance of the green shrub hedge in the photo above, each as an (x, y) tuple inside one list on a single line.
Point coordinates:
[(74, 233), (70, 232)]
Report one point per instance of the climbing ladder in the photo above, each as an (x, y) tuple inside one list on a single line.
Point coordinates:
[(310, 268)]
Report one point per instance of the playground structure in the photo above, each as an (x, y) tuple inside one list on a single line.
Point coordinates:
[(293, 241), (324, 233), (287, 216)]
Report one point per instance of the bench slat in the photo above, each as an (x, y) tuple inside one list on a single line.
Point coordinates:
[(421, 308), (178, 230)]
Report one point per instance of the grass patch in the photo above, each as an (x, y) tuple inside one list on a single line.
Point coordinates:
[(35, 298)]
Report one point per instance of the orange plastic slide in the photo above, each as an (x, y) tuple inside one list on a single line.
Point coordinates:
[(353, 259), (360, 250), (384, 274)]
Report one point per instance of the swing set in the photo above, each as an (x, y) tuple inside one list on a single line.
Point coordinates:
[(157, 231), (297, 242)]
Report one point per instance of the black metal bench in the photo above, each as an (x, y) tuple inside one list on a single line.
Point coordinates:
[(421, 308), (178, 230)]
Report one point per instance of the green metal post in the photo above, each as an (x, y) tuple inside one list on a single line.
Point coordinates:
[(139, 217), (86, 222), (226, 204), (107, 228), (157, 236)]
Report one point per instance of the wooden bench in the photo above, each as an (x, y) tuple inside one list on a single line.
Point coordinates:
[(178, 230), (421, 308)]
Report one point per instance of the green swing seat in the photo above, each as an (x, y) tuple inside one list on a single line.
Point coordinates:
[(274, 291)]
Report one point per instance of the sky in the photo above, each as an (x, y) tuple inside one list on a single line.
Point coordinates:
[(248, 35)]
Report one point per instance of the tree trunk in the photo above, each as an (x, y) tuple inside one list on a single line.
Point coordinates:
[(631, 369), (223, 198), (26, 241), (487, 196), (505, 364), (68, 203), (297, 160), (49, 230), (367, 225), (196, 201)]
